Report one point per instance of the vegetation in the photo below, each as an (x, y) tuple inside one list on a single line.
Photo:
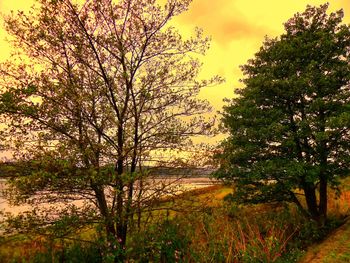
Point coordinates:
[(289, 127), (100, 90), (334, 249), (217, 230), (102, 108)]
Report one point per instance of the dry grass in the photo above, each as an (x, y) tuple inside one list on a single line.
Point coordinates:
[(22, 247), (339, 205), (247, 238), (243, 235)]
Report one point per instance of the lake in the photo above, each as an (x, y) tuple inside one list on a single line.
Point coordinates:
[(175, 184)]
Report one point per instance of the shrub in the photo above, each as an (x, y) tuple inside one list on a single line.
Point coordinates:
[(166, 242)]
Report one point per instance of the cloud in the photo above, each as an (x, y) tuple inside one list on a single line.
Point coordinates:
[(230, 20), (237, 29), (222, 21)]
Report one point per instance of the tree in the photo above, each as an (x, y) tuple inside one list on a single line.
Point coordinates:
[(289, 127), (101, 89)]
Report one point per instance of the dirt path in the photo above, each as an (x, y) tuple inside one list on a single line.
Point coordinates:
[(335, 249)]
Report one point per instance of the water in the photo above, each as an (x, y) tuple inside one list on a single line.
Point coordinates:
[(168, 185)]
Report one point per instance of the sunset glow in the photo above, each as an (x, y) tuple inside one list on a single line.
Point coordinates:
[(237, 29), (129, 132)]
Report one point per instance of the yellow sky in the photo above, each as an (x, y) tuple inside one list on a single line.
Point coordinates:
[(237, 28)]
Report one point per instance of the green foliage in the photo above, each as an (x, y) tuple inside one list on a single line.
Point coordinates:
[(222, 232), (166, 242), (289, 127), (97, 84), (75, 253)]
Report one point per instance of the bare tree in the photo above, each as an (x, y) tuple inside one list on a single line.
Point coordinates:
[(102, 83)]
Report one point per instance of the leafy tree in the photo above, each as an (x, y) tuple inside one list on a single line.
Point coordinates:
[(99, 91), (289, 126)]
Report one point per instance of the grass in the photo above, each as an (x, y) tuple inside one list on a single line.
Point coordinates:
[(334, 249), (20, 246), (206, 229), (217, 233), (24, 246)]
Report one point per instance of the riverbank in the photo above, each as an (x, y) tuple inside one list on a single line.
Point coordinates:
[(202, 227)]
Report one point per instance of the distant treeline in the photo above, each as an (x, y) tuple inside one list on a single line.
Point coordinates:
[(13, 169)]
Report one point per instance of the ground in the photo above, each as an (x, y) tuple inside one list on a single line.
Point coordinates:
[(335, 249)]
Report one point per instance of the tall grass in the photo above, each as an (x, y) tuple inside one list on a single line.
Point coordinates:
[(247, 238), (219, 231)]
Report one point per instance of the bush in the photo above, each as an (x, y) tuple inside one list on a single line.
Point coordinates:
[(226, 234), (166, 242), (74, 253)]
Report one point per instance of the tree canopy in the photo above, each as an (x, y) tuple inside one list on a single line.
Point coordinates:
[(95, 91), (289, 126)]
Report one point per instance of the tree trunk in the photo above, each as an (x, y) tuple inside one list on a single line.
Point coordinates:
[(298, 204), (323, 199), (128, 209), (120, 185), (311, 201), (102, 204), (119, 210), (323, 171)]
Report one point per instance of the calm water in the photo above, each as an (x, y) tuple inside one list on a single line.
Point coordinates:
[(175, 185)]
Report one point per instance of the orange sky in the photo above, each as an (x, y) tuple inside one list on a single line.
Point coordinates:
[(237, 28)]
